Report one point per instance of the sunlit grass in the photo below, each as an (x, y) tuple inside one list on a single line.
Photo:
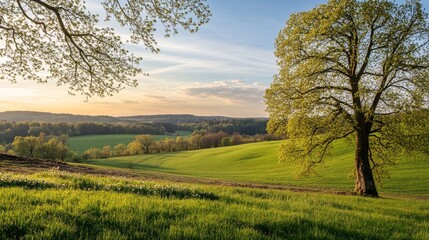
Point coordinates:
[(65, 180), (257, 162), (237, 213)]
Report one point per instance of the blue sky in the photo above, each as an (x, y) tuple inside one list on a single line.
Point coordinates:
[(223, 69)]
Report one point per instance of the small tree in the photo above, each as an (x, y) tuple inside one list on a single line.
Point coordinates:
[(226, 141), (92, 153), (236, 139), (120, 150), (25, 146), (179, 143), (170, 144), (145, 141), (349, 68), (186, 144), (195, 140), (3, 149), (106, 152), (134, 148)]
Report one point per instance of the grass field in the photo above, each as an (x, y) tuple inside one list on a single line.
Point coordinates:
[(57, 205), (258, 163), (81, 143)]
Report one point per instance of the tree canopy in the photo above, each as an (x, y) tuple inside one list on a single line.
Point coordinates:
[(347, 69), (61, 40)]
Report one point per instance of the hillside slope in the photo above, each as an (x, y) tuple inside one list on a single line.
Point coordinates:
[(28, 116), (257, 163)]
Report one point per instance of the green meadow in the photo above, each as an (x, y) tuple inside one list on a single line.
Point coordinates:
[(81, 143), (343, 71), (55, 204), (257, 163), (58, 205)]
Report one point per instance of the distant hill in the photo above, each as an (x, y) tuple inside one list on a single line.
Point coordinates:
[(172, 118), (28, 116)]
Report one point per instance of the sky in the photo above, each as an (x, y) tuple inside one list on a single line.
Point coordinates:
[(222, 70)]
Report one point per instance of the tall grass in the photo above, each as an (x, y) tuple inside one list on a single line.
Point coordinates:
[(63, 180), (84, 211)]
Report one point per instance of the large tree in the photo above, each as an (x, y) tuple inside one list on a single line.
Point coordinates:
[(60, 40), (351, 68)]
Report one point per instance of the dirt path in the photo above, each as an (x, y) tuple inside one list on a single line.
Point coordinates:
[(10, 163)]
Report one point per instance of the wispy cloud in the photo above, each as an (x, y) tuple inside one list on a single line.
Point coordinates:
[(228, 91), (130, 102), (184, 56), (155, 97), (238, 98)]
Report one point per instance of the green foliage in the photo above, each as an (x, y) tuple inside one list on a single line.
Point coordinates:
[(26, 146), (9, 130), (235, 139), (226, 141), (59, 40), (120, 150), (75, 157), (92, 153), (2, 149), (146, 142), (106, 152), (134, 148), (237, 213), (158, 143), (411, 131), (54, 148), (43, 147)]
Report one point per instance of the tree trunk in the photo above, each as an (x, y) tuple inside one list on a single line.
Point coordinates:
[(365, 184)]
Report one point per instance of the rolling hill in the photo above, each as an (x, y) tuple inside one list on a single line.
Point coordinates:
[(28, 116), (257, 163), (101, 203), (31, 116)]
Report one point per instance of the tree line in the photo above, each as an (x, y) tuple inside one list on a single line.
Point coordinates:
[(245, 126), (9, 130), (42, 147), (146, 144), (56, 148)]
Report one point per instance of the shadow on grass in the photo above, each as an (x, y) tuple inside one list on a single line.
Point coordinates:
[(305, 229), (81, 183), (128, 165)]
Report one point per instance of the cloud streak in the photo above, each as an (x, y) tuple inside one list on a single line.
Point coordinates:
[(184, 56), (229, 91)]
